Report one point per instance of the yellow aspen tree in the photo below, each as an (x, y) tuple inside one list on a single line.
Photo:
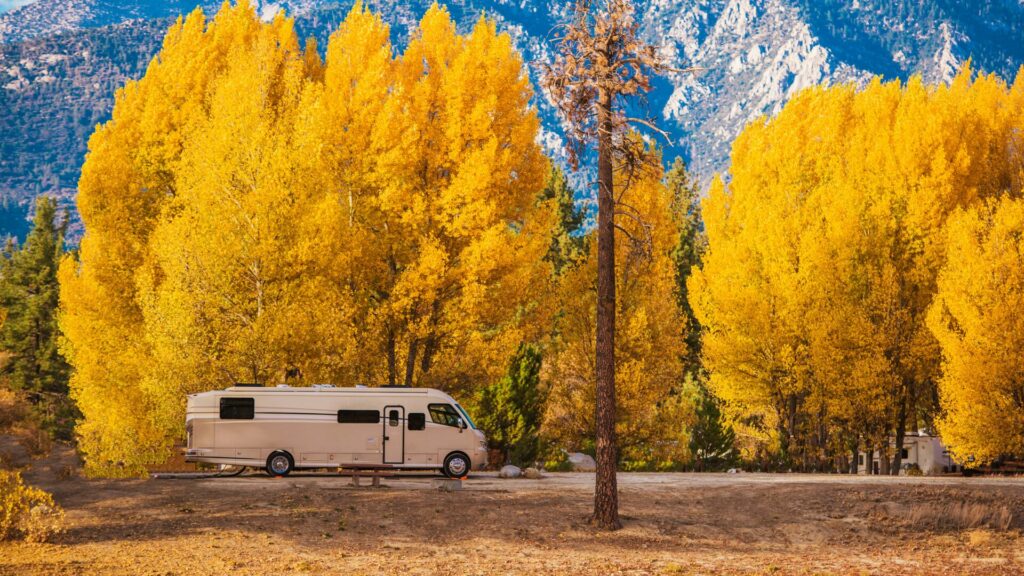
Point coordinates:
[(824, 250), (976, 316), (459, 237), (232, 292), (128, 176), (255, 214)]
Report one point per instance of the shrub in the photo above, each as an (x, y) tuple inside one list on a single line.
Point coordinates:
[(26, 511)]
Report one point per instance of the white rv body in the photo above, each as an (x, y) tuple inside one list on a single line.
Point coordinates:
[(328, 427)]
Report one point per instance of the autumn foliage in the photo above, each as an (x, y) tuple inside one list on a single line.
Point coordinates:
[(827, 250), (256, 215)]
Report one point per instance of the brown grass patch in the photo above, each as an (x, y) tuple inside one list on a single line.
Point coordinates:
[(961, 516)]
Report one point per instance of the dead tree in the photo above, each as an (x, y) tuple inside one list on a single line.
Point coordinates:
[(601, 63)]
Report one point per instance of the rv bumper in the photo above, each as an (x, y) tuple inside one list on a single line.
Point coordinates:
[(479, 458)]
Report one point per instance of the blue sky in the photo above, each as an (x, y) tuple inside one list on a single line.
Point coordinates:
[(6, 5)]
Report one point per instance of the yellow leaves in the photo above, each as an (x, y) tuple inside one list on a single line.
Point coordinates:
[(254, 214), (825, 245), (976, 318)]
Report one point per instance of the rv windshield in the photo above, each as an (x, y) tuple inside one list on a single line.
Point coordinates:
[(466, 416), (448, 415)]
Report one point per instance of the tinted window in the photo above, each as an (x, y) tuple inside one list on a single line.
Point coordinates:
[(443, 414), (417, 421), (237, 408), (358, 416), (393, 417)]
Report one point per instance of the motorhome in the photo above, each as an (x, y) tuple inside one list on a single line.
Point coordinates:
[(285, 428)]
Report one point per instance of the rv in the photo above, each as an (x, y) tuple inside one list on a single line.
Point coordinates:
[(286, 428)]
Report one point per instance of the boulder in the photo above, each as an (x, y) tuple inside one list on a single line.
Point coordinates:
[(533, 474), (510, 471), (582, 462)]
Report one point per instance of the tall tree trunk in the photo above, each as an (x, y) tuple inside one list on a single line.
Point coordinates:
[(901, 427), (410, 361), (606, 495), (392, 359), (855, 452)]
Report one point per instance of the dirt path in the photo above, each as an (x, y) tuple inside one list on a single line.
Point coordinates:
[(674, 524)]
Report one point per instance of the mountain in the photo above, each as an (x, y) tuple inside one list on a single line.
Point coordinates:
[(62, 60)]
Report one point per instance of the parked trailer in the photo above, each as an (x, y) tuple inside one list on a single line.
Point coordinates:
[(286, 428)]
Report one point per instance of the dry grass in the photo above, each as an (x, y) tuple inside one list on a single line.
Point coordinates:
[(674, 524), (961, 516)]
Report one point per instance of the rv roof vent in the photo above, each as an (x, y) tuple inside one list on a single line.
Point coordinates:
[(360, 386), (323, 385), (283, 386)]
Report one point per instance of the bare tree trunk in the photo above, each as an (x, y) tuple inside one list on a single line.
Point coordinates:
[(392, 360), (901, 428), (606, 496), (410, 361), (855, 452)]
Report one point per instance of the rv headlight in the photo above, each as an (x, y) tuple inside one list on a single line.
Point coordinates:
[(483, 443)]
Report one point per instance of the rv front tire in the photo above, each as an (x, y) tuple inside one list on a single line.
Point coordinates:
[(456, 465), (279, 463)]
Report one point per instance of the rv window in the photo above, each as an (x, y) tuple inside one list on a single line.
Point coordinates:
[(443, 414), (393, 417), (237, 409), (358, 416), (417, 421)]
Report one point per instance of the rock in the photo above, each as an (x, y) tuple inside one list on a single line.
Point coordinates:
[(533, 474), (582, 462), (448, 484), (510, 471)]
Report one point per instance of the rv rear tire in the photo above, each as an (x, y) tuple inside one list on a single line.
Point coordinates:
[(279, 463), (456, 465)]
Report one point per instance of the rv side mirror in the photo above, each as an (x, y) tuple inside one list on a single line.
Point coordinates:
[(462, 424)]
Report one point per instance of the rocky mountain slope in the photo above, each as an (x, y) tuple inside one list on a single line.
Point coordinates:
[(61, 61)]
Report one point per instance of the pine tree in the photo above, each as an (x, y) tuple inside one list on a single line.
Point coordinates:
[(711, 438), (687, 253), (568, 241), (29, 295), (511, 408), (601, 63)]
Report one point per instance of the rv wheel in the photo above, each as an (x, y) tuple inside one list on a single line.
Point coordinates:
[(279, 464), (456, 465)]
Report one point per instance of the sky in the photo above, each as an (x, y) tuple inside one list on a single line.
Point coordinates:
[(6, 5)]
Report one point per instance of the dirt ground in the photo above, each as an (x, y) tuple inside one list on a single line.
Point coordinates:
[(673, 524)]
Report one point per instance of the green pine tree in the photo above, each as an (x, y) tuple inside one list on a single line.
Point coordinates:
[(512, 408), (687, 253), (711, 440), (568, 241), (29, 334)]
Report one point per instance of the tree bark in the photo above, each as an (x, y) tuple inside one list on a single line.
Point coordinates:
[(410, 362), (606, 496), (855, 452), (392, 359), (901, 429)]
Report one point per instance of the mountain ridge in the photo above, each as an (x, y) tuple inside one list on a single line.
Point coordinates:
[(62, 60)]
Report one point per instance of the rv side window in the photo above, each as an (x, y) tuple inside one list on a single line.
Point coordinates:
[(417, 421), (358, 416), (237, 409), (443, 414)]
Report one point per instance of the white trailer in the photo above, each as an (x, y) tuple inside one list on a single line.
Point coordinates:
[(284, 428)]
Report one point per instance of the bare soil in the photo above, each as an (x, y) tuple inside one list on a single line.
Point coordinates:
[(673, 524)]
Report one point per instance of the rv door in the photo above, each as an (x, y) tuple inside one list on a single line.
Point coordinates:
[(394, 434)]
